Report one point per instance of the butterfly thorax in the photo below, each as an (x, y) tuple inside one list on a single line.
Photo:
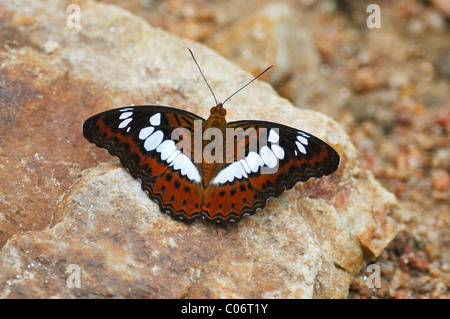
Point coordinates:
[(210, 164)]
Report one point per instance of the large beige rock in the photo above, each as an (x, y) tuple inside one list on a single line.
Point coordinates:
[(443, 6), (276, 34), (58, 218)]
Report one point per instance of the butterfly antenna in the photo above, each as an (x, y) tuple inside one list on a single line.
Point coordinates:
[(203, 76), (247, 84)]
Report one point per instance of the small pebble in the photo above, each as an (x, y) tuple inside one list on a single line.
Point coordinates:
[(441, 179)]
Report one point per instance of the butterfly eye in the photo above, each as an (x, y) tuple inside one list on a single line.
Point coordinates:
[(223, 111), (213, 110)]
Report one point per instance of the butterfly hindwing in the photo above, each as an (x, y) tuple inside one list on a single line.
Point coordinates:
[(229, 202), (141, 137)]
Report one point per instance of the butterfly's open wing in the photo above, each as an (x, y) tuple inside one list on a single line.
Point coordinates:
[(283, 156), (143, 138)]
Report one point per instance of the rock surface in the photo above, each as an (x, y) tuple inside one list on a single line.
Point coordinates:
[(276, 35), (305, 244)]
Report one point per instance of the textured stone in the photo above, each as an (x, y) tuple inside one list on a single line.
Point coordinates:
[(443, 6), (275, 34), (306, 243)]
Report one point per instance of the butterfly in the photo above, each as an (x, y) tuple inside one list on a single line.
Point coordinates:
[(196, 168)]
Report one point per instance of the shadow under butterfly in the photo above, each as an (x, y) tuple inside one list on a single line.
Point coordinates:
[(192, 176)]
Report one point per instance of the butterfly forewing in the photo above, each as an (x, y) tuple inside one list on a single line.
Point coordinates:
[(300, 156), (141, 137)]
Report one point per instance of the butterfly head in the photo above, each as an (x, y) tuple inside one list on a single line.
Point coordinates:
[(218, 110)]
